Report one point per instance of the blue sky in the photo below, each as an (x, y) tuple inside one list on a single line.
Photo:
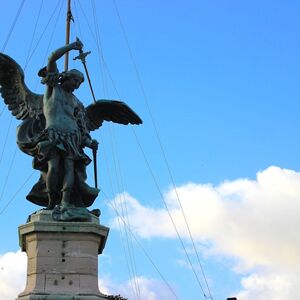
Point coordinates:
[(221, 79)]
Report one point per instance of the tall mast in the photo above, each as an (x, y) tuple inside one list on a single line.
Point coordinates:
[(69, 18)]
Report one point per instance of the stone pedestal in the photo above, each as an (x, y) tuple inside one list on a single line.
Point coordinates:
[(62, 258)]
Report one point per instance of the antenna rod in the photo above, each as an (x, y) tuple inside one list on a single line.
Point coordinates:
[(69, 18)]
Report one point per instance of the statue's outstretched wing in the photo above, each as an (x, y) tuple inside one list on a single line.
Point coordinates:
[(110, 110), (20, 100)]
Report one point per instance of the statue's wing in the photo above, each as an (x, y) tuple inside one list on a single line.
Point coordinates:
[(110, 110), (20, 100)]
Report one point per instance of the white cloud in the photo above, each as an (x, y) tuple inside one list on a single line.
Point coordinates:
[(137, 288), (253, 221), (12, 274), (275, 286)]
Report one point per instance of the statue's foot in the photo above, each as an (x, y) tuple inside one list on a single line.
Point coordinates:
[(70, 213), (64, 207)]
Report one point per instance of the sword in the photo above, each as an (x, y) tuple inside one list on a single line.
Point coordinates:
[(82, 55)]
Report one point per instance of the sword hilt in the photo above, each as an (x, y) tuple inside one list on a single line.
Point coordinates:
[(82, 55)]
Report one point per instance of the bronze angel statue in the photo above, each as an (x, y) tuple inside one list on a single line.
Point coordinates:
[(55, 129)]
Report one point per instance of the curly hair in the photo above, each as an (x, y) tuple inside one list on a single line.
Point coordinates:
[(57, 77), (68, 74)]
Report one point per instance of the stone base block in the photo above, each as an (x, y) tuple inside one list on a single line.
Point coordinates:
[(61, 297), (62, 258)]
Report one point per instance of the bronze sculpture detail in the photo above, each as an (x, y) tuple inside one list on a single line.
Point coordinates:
[(55, 129)]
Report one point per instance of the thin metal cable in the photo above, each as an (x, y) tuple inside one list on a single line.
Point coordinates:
[(13, 25), (124, 235), (165, 204), (33, 35), (50, 40), (118, 173), (87, 20), (8, 174), (195, 274), (120, 183), (99, 47), (16, 193), (99, 52), (98, 43), (102, 62), (128, 256), (13, 159), (77, 19), (132, 275), (161, 147), (169, 213), (5, 142), (6, 138), (119, 224), (124, 206), (2, 110), (141, 246), (41, 36), (107, 165)]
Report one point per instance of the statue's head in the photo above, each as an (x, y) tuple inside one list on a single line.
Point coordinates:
[(71, 74), (71, 80)]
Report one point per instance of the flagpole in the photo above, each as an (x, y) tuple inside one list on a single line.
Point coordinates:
[(69, 18)]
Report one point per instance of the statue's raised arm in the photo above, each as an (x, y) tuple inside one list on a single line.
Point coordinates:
[(57, 54)]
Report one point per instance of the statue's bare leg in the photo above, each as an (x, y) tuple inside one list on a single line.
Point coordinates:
[(52, 181), (68, 182)]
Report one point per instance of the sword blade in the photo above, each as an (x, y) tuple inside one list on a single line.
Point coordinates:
[(89, 80)]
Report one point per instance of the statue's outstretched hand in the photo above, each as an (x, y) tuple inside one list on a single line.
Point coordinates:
[(90, 143), (78, 45), (94, 145)]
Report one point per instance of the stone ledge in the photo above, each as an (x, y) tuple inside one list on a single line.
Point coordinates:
[(46, 215), (61, 297), (42, 222)]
